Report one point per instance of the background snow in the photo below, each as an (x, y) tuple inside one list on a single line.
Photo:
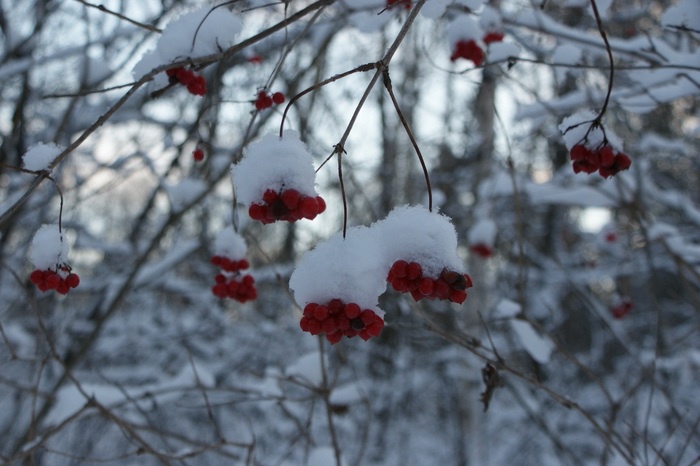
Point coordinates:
[(483, 232), (273, 163), (185, 192), (40, 156), (48, 248)]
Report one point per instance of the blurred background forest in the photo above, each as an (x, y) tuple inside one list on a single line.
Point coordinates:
[(581, 329)]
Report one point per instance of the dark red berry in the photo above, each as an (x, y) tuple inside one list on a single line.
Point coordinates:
[(72, 280), (278, 98), (291, 198), (493, 37), (198, 155)]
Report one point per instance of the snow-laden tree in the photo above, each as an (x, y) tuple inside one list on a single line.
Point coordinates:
[(359, 232)]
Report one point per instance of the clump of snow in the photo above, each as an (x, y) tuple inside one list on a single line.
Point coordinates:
[(183, 193), (575, 130), (49, 248), (350, 269), (537, 346), (483, 232), (413, 233), (685, 14), (40, 156), (463, 28), (274, 163), (308, 368), (506, 308), (230, 244), (323, 456), (502, 51), (194, 34)]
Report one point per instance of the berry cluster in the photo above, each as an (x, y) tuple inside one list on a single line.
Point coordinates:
[(265, 100), (493, 36), (469, 50), (194, 83), (52, 280), (605, 160), (407, 277), (406, 3), (230, 283), (622, 309), (289, 205), (482, 250), (198, 155), (337, 319)]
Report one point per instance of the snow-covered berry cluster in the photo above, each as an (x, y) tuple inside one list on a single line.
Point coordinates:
[(482, 236), (405, 3), (288, 205), (469, 50), (198, 154), (621, 309), (407, 277), (336, 319), (275, 180), (62, 280), (194, 83), (231, 282), (265, 100), (603, 159)]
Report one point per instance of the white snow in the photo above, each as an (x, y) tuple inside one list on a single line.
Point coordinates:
[(49, 248), (307, 368), (463, 28), (566, 54), (490, 19), (505, 309), (537, 346), (483, 232), (346, 394), (216, 30), (229, 243), (351, 269), (323, 456), (40, 156), (183, 193), (684, 14), (502, 51), (273, 163), (413, 233)]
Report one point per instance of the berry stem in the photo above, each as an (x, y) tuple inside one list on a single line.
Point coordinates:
[(409, 132), (608, 49)]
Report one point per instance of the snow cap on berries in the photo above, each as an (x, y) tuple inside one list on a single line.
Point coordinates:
[(490, 19), (578, 125), (194, 34), (40, 156), (483, 232), (49, 248), (413, 233), (463, 28), (229, 244), (273, 163), (349, 269)]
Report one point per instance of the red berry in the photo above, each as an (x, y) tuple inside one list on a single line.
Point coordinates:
[(278, 98), (334, 338), (321, 204), (415, 271), (184, 76), (291, 198), (309, 309), (309, 207), (578, 152), (198, 155), (270, 196), (493, 37), (606, 157), (458, 296), (304, 324), (52, 280), (321, 313), (37, 277), (481, 250), (425, 286), (622, 161), (352, 310), (257, 211), (314, 327), (400, 268), (72, 280), (367, 316), (243, 264)]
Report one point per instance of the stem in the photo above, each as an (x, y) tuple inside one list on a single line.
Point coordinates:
[(608, 49)]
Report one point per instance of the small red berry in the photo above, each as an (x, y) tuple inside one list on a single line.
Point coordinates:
[(72, 280), (198, 155), (270, 196), (291, 198), (257, 211), (309, 207), (493, 37), (278, 98), (578, 152), (415, 271), (352, 310)]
